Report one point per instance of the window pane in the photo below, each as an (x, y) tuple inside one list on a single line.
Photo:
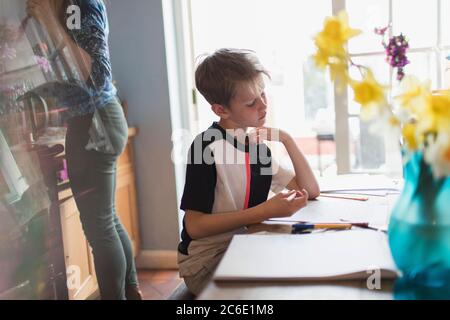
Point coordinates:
[(446, 68), (367, 152), (445, 18), (423, 66), (367, 15), (300, 97), (417, 20)]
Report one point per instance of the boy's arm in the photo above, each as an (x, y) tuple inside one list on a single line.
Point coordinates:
[(304, 177), (200, 225)]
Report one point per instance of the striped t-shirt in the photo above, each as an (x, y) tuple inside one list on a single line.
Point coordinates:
[(225, 175)]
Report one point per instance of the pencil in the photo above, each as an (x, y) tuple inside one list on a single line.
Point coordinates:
[(344, 197), (303, 227)]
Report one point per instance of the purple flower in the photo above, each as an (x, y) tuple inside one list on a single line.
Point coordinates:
[(382, 31), (396, 50), (43, 64), (396, 54)]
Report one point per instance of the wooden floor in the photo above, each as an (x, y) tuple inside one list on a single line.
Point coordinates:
[(158, 285)]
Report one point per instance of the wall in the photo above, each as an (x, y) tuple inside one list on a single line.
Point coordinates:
[(139, 66)]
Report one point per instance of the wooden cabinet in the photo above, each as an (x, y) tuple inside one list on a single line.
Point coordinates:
[(126, 199), (81, 278)]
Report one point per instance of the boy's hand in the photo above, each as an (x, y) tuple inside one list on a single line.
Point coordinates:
[(286, 204), (261, 134)]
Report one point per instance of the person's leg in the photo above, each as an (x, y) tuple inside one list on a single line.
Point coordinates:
[(131, 280), (96, 213), (199, 281), (91, 185), (132, 291), (204, 270), (92, 176), (114, 121)]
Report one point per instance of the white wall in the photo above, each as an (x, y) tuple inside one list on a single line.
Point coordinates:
[(139, 66)]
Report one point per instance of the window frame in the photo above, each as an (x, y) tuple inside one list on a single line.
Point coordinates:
[(342, 100)]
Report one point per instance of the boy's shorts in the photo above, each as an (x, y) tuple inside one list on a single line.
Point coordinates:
[(198, 282), (199, 273)]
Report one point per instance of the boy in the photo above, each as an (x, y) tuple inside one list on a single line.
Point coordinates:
[(229, 173)]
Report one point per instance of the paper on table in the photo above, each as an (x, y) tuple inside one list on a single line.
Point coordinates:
[(375, 211), (375, 193), (321, 256), (357, 182)]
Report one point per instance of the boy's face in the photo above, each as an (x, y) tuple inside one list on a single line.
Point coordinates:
[(248, 107)]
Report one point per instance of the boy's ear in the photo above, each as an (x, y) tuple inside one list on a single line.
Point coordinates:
[(220, 111)]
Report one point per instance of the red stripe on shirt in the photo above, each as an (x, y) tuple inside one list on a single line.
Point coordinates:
[(249, 177)]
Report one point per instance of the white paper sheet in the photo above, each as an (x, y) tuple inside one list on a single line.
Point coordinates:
[(375, 211), (342, 255), (357, 182)]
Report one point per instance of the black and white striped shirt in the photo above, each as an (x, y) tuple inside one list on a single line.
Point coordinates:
[(225, 175)]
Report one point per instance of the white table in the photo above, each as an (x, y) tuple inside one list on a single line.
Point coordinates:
[(376, 211)]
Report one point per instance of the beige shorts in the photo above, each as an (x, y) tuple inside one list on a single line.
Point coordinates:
[(198, 282), (198, 274), (198, 267)]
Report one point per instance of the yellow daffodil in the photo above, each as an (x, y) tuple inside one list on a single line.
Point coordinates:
[(440, 108), (339, 74), (394, 121), (423, 117), (368, 92), (335, 34), (414, 95), (437, 154), (409, 134), (321, 59), (435, 117), (447, 154), (382, 120)]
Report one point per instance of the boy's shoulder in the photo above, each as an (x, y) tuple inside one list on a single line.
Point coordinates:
[(213, 134), (216, 144), (201, 146)]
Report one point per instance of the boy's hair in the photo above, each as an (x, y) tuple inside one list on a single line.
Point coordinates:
[(218, 74)]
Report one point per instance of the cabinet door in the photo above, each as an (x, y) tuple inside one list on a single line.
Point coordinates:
[(81, 279), (126, 207), (126, 198)]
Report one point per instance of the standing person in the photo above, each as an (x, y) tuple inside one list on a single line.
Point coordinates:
[(96, 136), (229, 172)]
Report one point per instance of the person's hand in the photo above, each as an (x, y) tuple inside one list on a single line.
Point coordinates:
[(258, 135), (286, 204), (41, 10)]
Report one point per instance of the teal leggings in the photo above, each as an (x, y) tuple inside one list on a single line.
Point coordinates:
[(93, 181)]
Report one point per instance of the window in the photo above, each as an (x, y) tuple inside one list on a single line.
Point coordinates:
[(303, 100), (280, 32), (427, 38)]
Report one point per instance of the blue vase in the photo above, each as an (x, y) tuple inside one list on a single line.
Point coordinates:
[(419, 233)]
